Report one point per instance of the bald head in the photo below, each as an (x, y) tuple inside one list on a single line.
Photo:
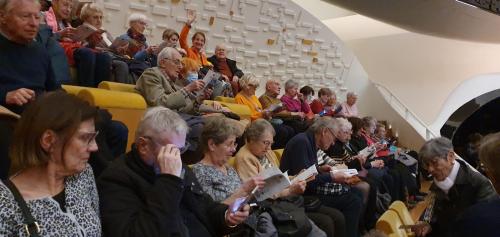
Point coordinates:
[(220, 51)]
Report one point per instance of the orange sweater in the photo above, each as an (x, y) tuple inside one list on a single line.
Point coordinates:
[(192, 53), (253, 103)]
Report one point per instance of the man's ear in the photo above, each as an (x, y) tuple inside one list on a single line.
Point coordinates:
[(142, 146), (47, 140)]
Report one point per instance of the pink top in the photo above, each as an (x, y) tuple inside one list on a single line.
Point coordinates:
[(295, 105), (349, 111)]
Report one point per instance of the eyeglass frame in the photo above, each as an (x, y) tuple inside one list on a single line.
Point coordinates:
[(92, 137), (182, 150)]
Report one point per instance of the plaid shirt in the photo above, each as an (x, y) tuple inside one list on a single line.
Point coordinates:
[(332, 189)]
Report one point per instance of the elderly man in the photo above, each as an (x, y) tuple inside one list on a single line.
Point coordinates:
[(149, 192), (158, 85), (349, 108), (456, 187), (301, 153), (226, 67), (25, 64)]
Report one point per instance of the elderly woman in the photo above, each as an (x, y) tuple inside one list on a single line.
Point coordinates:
[(196, 51), (483, 218), (456, 187), (294, 101), (249, 84), (220, 181), (326, 104), (256, 155), (92, 65), (51, 146), (349, 108), (139, 48)]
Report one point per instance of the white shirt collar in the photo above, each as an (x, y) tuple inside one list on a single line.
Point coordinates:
[(447, 183)]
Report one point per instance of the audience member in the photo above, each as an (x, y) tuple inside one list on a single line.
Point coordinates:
[(92, 66), (456, 187), (331, 188), (472, 149), (227, 67), (326, 103), (349, 107), (138, 45), (256, 156), (170, 38), (196, 51), (249, 84), (294, 101), (149, 192), (308, 93), (483, 218), (51, 146)]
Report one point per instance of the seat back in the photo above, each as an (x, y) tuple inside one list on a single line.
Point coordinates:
[(389, 223), (400, 208), (278, 153), (116, 86)]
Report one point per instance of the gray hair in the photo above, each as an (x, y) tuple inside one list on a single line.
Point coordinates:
[(343, 125), (351, 94), (4, 4), (291, 83), (220, 46), (158, 120), (257, 128), (137, 17), (248, 79), (167, 53), (437, 147), (322, 123), (218, 129), (88, 10), (368, 121)]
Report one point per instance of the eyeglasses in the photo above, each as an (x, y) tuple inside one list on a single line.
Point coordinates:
[(88, 137), (182, 149), (175, 61), (268, 143)]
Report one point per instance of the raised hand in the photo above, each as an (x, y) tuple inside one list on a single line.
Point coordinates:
[(169, 160), (191, 16)]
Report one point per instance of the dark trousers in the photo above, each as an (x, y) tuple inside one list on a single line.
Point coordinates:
[(351, 205), (6, 129), (92, 67), (283, 134), (329, 220)]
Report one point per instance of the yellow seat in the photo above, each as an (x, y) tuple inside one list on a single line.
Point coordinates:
[(231, 161), (116, 86), (278, 153), (124, 106), (241, 110), (404, 215), (389, 223), (74, 90), (225, 99)]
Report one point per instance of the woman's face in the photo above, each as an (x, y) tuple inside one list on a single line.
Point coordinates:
[(138, 26), (95, 20), (62, 9), (262, 145), (77, 150), (250, 89), (172, 41), (292, 91), (440, 167), (221, 152), (198, 42), (324, 98)]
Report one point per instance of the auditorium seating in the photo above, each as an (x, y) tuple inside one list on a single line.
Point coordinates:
[(390, 224)]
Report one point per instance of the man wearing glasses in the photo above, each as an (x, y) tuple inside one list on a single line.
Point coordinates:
[(149, 192)]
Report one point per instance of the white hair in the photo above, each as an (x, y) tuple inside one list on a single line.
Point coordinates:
[(220, 46), (322, 123), (343, 125), (351, 94), (137, 17), (167, 53), (158, 120), (290, 84)]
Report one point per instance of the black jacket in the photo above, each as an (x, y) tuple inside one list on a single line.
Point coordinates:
[(136, 202), (231, 63), (470, 188)]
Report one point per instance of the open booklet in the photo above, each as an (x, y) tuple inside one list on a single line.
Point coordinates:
[(83, 31), (211, 75), (369, 151), (275, 107), (348, 172), (276, 181)]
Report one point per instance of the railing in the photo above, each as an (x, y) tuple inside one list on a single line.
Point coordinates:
[(405, 112)]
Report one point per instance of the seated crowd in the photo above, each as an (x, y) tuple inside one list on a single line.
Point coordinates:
[(195, 168)]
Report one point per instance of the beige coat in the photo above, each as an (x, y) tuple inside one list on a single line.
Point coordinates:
[(247, 165), (158, 90)]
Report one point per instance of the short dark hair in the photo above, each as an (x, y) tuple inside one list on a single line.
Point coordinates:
[(57, 111), (307, 90), (168, 33), (324, 91), (357, 124), (199, 33)]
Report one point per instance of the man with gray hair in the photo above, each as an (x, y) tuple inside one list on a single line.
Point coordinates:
[(456, 187), (226, 67), (330, 187), (149, 192), (349, 108), (159, 88)]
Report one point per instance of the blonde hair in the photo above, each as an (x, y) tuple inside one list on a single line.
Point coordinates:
[(190, 65), (247, 80), (88, 10)]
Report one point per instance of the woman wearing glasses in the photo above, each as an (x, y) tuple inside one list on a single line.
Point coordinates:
[(50, 175)]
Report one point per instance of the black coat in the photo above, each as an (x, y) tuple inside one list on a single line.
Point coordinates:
[(470, 187), (136, 202), (231, 63)]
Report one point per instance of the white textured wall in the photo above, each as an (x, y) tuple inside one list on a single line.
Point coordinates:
[(303, 49)]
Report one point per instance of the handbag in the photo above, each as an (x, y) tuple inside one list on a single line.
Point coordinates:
[(289, 219), (31, 226)]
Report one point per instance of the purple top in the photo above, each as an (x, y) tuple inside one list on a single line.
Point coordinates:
[(295, 105)]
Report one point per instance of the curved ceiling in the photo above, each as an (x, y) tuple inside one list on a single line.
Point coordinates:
[(443, 18)]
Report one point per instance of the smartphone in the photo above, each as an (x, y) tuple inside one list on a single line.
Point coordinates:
[(238, 204)]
